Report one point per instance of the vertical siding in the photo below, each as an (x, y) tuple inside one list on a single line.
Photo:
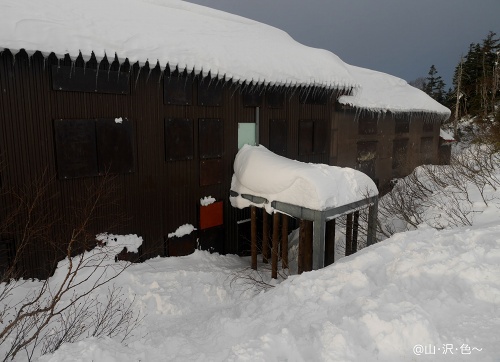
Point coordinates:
[(160, 195)]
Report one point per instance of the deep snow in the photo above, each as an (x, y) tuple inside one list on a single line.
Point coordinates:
[(193, 37)]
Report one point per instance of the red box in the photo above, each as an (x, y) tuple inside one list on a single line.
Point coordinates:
[(211, 215)]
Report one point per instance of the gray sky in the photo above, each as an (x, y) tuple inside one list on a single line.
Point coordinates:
[(400, 37)]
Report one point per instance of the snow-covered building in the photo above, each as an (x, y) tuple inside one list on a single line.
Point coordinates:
[(161, 94)]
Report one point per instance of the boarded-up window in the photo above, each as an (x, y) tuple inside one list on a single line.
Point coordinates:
[(91, 147), (401, 126), (314, 95), (427, 149), (399, 153), (115, 148), (82, 79), (211, 138), (313, 137), (178, 89), (179, 139), (210, 91), (428, 127), (278, 136), (367, 126), (366, 157), (211, 172), (275, 99), (76, 148), (252, 96)]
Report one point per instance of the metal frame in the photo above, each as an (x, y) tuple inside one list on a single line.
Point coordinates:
[(319, 219)]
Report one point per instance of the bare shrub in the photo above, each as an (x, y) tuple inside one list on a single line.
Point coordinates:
[(37, 318), (441, 196)]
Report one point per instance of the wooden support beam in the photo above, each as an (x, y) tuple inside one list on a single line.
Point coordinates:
[(355, 227), (308, 249), (284, 242), (253, 232), (276, 236), (348, 235), (265, 236), (330, 242)]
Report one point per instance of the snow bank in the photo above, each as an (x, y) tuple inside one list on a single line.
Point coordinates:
[(132, 242), (260, 172), (381, 92), (171, 32), (423, 288)]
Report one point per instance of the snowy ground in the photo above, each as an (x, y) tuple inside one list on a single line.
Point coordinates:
[(421, 295)]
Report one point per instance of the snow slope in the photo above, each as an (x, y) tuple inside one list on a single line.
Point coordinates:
[(429, 288)]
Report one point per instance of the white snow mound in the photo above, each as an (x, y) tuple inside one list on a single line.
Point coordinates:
[(260, 172)]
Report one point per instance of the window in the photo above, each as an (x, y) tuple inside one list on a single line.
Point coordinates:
[(92, 147), (178, 139), (399, 153), (275, 99), (314, 95), (252, 96), (313, 137), (211, 138), (178, 89), (210, 91), (401, 126), (366, 157), (427, 149), (80, 79), (428, 127), (367, 126), (246, 134)]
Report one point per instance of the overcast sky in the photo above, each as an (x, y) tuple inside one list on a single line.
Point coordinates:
[(400, 37)]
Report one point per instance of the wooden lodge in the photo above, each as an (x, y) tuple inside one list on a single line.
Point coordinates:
[(160, 140)]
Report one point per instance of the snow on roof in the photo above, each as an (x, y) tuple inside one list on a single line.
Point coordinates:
[(260, 172), (176, 32), (381, 92), (446, 136), (194, 37)]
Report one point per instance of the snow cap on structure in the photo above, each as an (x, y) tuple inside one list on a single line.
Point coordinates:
[(191, 37), (260, 172), (381, 92), (170, 32)]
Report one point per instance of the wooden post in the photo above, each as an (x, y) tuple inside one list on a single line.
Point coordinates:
[(276, 236), (330, 242), (265, 236), (348, 235), (253, 246), (308, 254), (355, 228), (284, 242), (302, 238)]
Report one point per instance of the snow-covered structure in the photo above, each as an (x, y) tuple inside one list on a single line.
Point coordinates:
[(190, 85)]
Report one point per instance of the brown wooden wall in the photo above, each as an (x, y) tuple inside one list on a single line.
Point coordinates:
[(159, 194)]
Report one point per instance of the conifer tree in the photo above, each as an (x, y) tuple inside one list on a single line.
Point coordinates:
[(434, 85)]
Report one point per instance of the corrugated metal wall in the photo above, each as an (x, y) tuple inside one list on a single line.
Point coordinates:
[(152, 201)]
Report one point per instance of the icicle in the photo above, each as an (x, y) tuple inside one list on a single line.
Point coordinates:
[(137, 78)]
